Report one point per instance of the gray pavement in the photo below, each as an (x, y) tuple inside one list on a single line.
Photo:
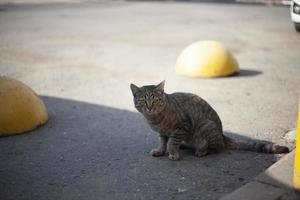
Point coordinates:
[(274, 183), (81, 59)]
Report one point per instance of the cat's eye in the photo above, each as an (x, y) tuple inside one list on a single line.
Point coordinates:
[(141, 100)]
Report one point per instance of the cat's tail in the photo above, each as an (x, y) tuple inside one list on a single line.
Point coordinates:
[(255, 145)]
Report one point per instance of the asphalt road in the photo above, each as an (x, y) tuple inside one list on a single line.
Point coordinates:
[(81, 59)]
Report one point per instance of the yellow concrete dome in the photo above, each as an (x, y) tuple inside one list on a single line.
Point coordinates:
[(206, 59), (21, 109)]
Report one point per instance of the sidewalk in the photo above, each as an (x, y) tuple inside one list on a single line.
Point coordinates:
[(275, 183)]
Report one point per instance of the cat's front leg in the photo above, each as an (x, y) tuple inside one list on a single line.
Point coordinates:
[(161, 150), (174, 143), (173, 148)]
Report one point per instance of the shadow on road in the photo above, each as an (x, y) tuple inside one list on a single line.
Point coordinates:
[(88, 151)]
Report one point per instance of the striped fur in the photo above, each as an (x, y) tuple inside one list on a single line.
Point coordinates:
[(183, 118)]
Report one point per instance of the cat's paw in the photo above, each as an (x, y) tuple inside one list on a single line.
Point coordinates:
[(174, 157), (201, 153), (156, 152)]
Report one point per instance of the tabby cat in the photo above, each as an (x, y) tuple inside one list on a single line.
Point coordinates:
[(184, 119)]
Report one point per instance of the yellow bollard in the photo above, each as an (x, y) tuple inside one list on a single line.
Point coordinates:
[(206, 59), (297, 155), (21, 109)]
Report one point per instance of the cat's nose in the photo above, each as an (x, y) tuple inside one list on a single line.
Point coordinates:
[(148, 106)]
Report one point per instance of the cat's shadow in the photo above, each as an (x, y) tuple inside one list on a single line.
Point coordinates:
[(88, 150)]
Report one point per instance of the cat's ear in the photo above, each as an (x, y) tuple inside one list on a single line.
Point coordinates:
[(134, 88), (161, 86)]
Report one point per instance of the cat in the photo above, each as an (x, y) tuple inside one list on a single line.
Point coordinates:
[(186, 120)]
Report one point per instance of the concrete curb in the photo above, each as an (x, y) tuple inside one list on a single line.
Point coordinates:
[(273, 184)]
